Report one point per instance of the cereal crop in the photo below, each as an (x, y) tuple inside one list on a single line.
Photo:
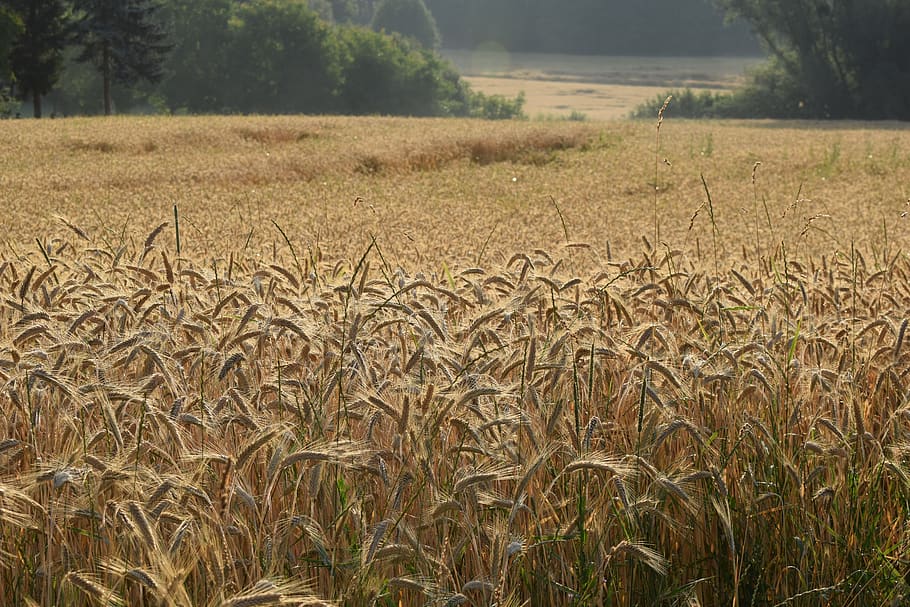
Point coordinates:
[(332, 361)]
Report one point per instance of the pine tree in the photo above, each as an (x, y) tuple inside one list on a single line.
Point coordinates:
[(36, 56), (123, 39), (10, 26)]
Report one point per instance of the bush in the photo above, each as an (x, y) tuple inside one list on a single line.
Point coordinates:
[(770, 93), (496, 107), (390, 75), (410, 18), (8, 105), (688, 104)]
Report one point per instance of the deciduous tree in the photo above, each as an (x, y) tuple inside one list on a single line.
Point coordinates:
[(410, 18), (197, 71), (283, 59), (843, 58)]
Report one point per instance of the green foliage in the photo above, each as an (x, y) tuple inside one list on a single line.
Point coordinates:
[(410, 18), (389, 75), (123, 40), (496, 107), (257, 56), (689, 104), (358, 12), (122, 36), (77, 89), (36, 55), (323, 8), (831, 59), (769, 93), (196, 71), (283, 59), (8, 105), (278, 56), (10, 26)]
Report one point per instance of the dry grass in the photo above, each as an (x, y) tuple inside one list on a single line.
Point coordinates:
[(375, 411)]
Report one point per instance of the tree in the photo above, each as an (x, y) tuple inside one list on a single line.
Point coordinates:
[(323, 8), (392, 75), (10, 26), (37, 51), (123, 40), (196, 71), (410, 18), (283, 59), (347, 11), (840, 59)]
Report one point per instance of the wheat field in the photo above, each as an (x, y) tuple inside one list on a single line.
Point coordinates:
[(336, 361)]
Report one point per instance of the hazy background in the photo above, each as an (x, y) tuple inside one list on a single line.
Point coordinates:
[(492, 59), (597, 59), (482, 58), (592, 27)]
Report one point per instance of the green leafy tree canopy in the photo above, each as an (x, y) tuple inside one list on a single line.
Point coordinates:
[(835, 58), (410, 18), (283, 59)]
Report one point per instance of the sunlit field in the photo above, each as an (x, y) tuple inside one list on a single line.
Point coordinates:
[(596, 87), (368, 361)]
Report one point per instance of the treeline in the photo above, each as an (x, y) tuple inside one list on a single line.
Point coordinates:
[(223, 56), (837, 60), (595, 27)]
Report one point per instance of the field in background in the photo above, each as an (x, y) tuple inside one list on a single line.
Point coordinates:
[(332, 183), (602, 88), (428, 362)]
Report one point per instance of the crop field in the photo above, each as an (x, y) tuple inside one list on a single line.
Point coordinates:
[(599, 87), (371, 361)]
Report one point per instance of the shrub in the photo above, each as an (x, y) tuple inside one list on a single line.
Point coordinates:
[(496, 107), (688, 104), (770, 93), (8, 105), (390, 75)]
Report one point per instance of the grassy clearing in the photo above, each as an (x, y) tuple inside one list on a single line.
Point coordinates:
[(456, 382)]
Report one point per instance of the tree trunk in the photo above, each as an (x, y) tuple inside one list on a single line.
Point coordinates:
[(106, 77), (36, 104)]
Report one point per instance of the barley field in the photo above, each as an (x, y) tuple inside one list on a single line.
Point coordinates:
[(371, 361)]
